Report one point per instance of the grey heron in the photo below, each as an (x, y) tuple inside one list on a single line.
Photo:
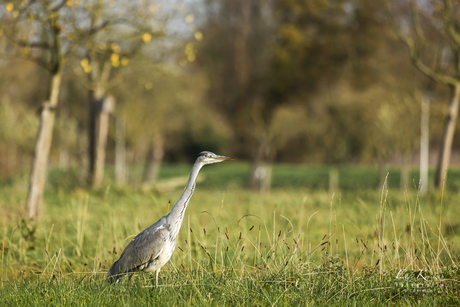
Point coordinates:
[(153, 247)]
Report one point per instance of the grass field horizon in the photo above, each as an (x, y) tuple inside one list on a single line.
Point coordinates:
[(363, 244)]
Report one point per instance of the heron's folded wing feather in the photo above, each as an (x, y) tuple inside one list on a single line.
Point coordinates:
[(144, 248)]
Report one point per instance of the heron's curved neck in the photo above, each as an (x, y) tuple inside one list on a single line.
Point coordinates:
[(177, 212)]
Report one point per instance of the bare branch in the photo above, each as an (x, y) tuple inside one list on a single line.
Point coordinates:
[(439, 77), (416, 22), (41, 63), (449, 24), (38, 61), (23, 43), (58, 6), (40, 45), (415, 46), (82, 78), (404, 38), (98, 28)]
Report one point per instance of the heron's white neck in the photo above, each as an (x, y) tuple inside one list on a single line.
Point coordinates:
[(177, 212)]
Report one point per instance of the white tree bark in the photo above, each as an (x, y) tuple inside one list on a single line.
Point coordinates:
[(102, 130), (424, 143), (100, 109), (42, 149), (154, 159), (120, 150), (447, 137)]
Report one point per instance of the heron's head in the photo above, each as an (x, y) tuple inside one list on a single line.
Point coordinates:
[(207, 157)]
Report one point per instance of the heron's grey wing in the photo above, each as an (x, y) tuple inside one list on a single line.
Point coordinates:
[(143, 249)]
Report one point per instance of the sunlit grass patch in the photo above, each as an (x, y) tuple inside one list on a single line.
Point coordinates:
[(288, 247)]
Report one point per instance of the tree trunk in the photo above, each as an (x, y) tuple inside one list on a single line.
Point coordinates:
[(405, 172), (261, 172), (92, 133), (424, 143), (99, 111), (82, 156), (154, 158), (64, 156), (105, 107), (266, 183), (120, 150), (447, 137), (42, 149), (11, 158), (333, 179), (64, 152)]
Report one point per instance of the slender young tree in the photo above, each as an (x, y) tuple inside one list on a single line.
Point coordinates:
[(424, 39), (36, 30), (102, 58)]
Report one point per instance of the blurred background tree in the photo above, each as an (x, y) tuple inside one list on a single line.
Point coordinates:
[(433, 39), (115, 38), (266, 81), (37, 32)]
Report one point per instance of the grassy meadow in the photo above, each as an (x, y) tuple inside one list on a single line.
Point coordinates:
[(368, 243)]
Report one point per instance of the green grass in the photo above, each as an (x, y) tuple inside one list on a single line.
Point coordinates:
[(297, 245)]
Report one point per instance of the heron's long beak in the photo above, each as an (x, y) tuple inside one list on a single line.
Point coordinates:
[(224, 158)]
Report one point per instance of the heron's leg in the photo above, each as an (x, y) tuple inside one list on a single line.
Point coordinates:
[(156, 277)]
